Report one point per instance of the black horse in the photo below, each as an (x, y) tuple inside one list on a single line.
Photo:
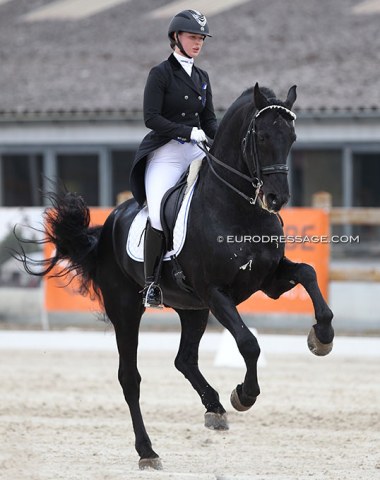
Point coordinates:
[(242, 185)]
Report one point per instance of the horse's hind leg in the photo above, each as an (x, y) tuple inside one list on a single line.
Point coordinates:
[(124, 308), (193, 324), (289, 274)]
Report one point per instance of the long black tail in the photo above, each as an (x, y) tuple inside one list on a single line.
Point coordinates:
[(67, 227)]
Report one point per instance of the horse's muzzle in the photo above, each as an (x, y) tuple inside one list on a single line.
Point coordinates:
[(273, 202)]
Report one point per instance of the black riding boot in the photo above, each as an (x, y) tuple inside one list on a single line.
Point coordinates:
[(153, 256)]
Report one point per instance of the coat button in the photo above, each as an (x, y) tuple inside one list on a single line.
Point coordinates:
[(186, 97), (183, 114), (199, 98)]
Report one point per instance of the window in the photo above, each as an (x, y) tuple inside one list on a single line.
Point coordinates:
[(80, 174), (366, 193), (122, 161), (315, 171), (21, 180), (366, 177)]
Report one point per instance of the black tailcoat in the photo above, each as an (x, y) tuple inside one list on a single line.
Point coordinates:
[(174, 103)]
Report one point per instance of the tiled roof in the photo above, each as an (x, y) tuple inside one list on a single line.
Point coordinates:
[(99, 63)]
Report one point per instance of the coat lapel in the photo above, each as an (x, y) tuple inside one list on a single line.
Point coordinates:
[(178, 71)]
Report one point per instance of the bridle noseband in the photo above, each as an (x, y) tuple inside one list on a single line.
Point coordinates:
[(249, 148)]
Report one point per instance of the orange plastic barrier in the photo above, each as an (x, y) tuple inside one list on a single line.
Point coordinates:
[(307, 231)]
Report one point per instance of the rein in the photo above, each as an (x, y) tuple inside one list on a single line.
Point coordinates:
[(249, 141), (257, 186)]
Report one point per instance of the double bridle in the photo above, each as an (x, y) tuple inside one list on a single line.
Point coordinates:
[(249, 148)]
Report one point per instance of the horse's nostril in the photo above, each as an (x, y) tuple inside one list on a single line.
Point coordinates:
[(273, 202)]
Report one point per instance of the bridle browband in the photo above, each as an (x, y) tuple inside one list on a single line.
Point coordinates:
[(249, 146)]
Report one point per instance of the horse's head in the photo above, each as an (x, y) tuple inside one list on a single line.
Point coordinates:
[(267, 145)]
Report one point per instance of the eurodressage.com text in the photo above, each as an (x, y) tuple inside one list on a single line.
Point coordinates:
[(288, 239)]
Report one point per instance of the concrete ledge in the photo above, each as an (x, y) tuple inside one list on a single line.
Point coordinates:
[(169, 342), (356, 307)]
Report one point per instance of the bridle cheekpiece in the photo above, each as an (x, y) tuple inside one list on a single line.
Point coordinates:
[(252, 145)]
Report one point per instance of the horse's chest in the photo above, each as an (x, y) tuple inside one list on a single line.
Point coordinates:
[(252, 261)]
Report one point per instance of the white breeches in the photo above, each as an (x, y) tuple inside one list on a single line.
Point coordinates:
[(164, 167)]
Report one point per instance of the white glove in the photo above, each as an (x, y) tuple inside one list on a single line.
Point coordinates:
[(197, 135)]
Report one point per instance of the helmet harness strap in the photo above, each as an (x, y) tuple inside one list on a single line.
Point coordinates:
[(179, 44)]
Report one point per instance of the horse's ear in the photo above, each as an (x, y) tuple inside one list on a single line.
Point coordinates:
[(292, 96), (260, 100)]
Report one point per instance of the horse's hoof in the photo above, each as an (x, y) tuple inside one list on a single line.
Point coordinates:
[(216, 421), (150, 464), (315, 346), (236, 403)]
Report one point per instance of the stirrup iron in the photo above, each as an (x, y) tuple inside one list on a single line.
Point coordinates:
[(153, 297)]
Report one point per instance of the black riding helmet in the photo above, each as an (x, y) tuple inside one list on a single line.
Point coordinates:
[(190, 21)]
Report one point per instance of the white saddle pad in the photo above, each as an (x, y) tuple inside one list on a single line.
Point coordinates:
[(135, 241)]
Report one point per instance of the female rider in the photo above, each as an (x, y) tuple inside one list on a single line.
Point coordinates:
[(179, 111)]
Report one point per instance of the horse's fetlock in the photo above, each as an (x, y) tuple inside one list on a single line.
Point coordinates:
[(241, 400)]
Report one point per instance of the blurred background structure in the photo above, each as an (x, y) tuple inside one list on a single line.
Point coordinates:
[(72, 74)]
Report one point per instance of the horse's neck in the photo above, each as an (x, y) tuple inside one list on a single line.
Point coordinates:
[(226, 149), (213, 190), (219, 204), (227, 146)]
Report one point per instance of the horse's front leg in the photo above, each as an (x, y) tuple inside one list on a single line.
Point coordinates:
[(287, 276), (224, 309), (193, 323)]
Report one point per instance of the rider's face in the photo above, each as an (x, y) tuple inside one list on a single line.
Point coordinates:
[(192, 43)]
